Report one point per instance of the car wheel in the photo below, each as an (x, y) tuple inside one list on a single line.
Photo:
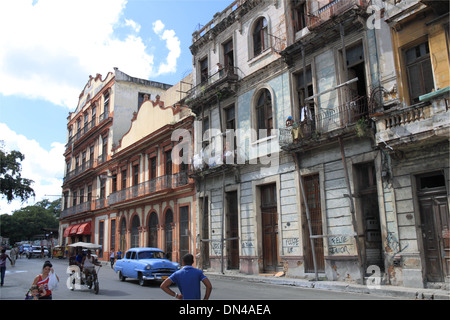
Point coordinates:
[(141, 279), (121, 277)]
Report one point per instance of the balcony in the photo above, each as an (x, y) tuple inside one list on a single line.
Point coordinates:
[(333, 9), (77, 209), (217, 83), (163, 183), (79, 170), (404, 127), (324, 125), (82, 132)]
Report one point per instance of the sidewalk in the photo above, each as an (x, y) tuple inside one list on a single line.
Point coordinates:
[(339, 286)]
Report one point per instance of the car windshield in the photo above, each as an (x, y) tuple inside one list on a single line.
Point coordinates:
[(151, 255)]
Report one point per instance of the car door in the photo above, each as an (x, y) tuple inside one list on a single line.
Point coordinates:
[(133, 265), (126, 264)]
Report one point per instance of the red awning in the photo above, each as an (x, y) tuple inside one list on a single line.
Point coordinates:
[(74, 229), (66, 231), (84, 228)]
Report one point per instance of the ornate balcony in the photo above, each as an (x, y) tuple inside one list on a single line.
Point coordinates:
[(79, 170), (78, 209), (333, 9), (402, 127), (332, 122), (218, 83), (163, 183)]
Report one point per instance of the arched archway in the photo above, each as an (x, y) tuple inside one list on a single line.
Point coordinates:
[(135, 224), (123, 235), (153, 230), (168, 234)]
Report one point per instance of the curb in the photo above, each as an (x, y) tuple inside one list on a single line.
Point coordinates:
[(338, 286)]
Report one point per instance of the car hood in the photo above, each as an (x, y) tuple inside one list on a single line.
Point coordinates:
[(160, 263)]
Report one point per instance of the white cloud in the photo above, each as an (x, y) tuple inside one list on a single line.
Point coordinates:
[(45, 168), (133, 24), (50, 47), (158, 26), (172, 44)]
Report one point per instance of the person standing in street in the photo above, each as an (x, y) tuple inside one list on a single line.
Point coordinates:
[(188, 281), (42, 280), (3, 258), (112, 258)]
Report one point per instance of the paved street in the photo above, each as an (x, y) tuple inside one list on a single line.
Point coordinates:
[(19, 278)]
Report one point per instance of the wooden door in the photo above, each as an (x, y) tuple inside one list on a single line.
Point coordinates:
[(435, 234), (232, 230), (269, 217), (312, 190)]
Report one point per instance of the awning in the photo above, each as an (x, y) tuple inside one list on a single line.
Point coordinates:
[(66, 231), (84, 228), (74, 230)]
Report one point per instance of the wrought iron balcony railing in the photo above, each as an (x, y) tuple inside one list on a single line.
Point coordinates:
[(332, 9), (162, 183), (332, 119)]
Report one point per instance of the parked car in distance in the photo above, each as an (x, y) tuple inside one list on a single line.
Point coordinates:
[(26, 248), (35, 251), (145, 264)]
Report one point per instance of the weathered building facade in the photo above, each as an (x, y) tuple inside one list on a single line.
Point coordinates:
[(246, 188), (119, 171), (319, 147), (412, 135), (326, 81)]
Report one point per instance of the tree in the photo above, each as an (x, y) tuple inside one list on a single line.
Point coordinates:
[(28, 222), (12, 185)]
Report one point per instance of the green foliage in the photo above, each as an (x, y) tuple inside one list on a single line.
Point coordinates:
[(27, 222), (12, 185)]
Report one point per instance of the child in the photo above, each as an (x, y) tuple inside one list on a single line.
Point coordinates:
[(35, 292)]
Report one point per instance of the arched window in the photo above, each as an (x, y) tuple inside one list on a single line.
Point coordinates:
[(168, 234), (264, 116), (153, 230), (260, 36), (135, 224), (123, 233)]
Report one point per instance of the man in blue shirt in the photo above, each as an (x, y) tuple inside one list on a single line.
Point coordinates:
[(188, 281)]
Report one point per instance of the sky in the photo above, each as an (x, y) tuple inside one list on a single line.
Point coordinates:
[(48, 49)]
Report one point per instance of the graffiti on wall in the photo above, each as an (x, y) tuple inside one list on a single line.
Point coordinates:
[(340, 245)]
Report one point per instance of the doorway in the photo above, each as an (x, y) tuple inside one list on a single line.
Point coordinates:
[(312, 190), (435, 225), (168, 240), (369, 215), (269, 220), (232, 230), (204, 249)]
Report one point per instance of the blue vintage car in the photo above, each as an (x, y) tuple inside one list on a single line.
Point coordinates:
[(145, 264)]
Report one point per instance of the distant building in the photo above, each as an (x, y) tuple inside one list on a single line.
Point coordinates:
[(117, 165)]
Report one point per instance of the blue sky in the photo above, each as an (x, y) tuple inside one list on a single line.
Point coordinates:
[(48, 49)]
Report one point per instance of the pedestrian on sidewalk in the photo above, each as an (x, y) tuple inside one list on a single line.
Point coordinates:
[(3, 258), (188, 281)]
